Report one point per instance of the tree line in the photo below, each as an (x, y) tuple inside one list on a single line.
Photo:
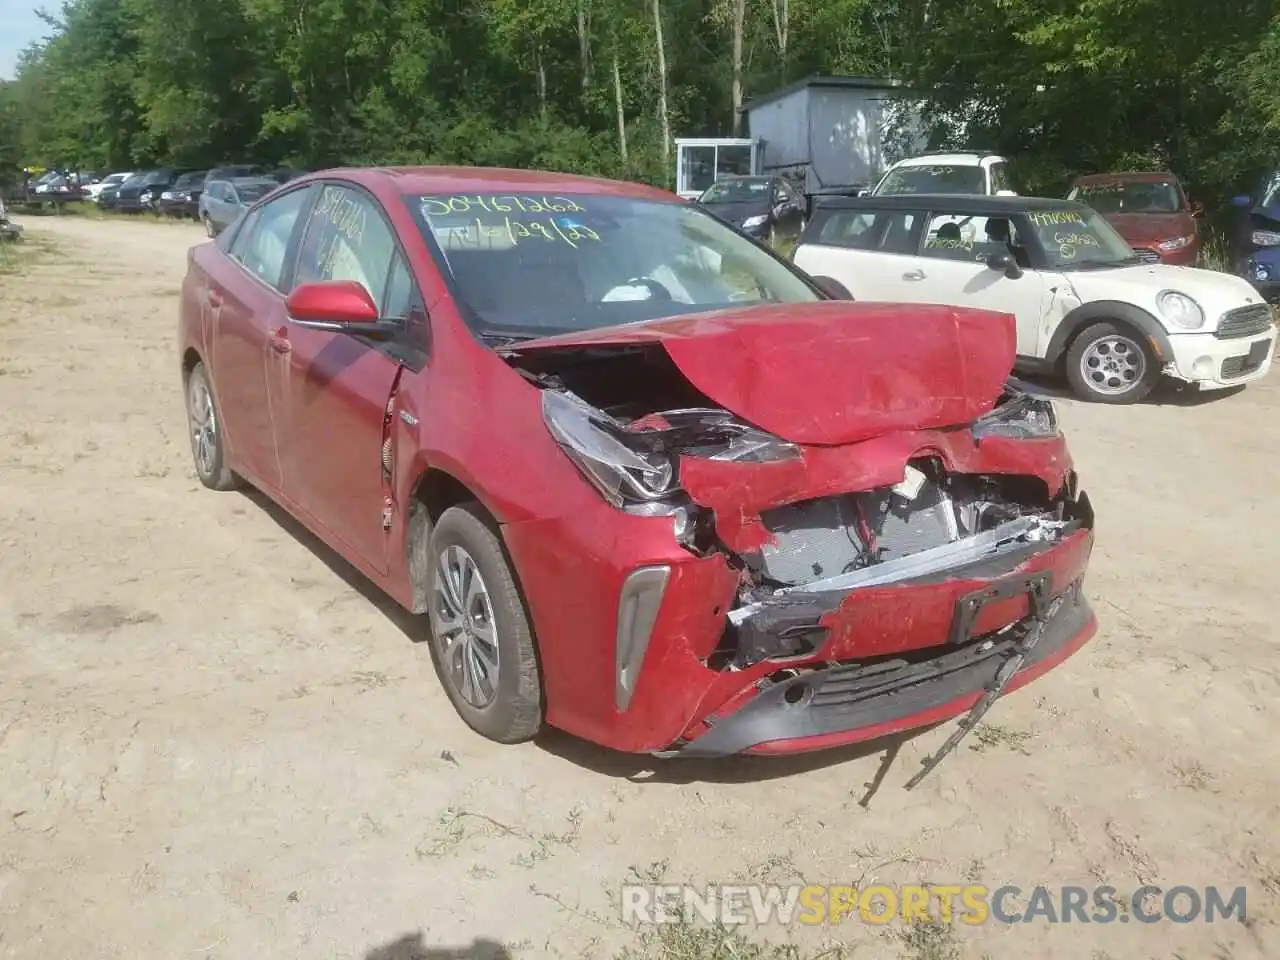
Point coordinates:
[(602, 86)]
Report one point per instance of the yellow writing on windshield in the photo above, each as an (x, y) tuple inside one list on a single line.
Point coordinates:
[(1077, 239), (1050, 218), (505, 203), (508, 232)]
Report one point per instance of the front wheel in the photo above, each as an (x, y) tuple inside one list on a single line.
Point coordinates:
[(481, 640), (1109, 363)]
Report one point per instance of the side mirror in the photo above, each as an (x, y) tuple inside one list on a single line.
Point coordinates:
[(1243, 201), (1197, 209), (833, 288), (1005, 263), (338, 306)]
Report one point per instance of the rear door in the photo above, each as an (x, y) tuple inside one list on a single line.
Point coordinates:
[(872, 252), (339, 387)]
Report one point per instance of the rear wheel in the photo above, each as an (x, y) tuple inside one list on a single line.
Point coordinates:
[(1110, 363), (481, 640)]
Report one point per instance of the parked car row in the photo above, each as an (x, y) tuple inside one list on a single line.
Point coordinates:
[(215, 197)]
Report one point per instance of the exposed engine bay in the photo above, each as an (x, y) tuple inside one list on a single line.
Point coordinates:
[(611, 410)]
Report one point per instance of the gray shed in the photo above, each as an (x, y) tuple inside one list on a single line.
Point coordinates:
[(828, 131)]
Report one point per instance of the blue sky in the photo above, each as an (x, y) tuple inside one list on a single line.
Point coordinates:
[(19, 27)]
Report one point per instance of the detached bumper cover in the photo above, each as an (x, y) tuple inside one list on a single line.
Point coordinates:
[(855, 702)]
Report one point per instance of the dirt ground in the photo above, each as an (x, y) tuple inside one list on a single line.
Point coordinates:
[(216, 742)]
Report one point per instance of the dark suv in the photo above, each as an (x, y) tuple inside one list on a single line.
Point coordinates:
[(143, 189)]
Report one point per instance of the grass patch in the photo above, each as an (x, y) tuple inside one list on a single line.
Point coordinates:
[(928, 941), (991, 735), (684, 941), (1215, 254), (17, 256)]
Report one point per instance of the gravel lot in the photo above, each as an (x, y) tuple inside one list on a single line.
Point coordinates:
[(216, 742)]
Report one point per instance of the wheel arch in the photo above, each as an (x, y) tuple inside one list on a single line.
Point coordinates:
[(1108, 311), (434, 491)]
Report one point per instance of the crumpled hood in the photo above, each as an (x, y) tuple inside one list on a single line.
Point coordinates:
[(1148, 229), (831, 372)]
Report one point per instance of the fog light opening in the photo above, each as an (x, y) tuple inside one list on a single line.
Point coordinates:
[(796, 693)]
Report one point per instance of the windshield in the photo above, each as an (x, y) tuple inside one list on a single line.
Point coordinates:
[(932, 178), (533, 266), (188, 180), (1079, 238), (736, 191), (1130, 196)]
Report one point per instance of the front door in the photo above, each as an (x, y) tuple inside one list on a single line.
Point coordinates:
[(339, 386), (952, 269)]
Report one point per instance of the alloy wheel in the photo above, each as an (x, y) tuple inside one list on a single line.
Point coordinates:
[(204, 426), (464, 627), (1113, 365)]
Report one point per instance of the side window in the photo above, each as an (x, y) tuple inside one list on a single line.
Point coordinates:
[(948, 239), (398, 299), (901, 232), (999, 179), (263, 240), (885, 231), (348, 239)]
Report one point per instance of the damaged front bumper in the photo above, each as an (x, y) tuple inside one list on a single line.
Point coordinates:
[(832, 704)]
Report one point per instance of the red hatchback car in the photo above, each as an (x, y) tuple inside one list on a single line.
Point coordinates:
[(1149, 210), (643, 479)]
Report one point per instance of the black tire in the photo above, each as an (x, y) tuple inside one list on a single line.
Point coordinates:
[(514, 713), (212, 470), (1129, 386)]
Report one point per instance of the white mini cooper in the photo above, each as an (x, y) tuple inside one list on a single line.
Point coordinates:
[(1086, 305)]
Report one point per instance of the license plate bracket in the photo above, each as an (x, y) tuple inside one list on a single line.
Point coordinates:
[(1035, 586)]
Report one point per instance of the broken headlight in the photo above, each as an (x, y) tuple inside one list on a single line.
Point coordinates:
[(632, 464), (621, 474), (1022, 418)]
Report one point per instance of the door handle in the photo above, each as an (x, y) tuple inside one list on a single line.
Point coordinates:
[(280, 341), (913, 275)]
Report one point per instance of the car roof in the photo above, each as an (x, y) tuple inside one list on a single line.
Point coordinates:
[(959, 158), (413, 181), (959, 203), (1138, 176)]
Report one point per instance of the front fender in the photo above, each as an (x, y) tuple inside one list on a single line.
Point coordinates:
[(1098, 311)]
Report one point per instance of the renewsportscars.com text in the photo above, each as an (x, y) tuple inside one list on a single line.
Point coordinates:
[(964, 903)]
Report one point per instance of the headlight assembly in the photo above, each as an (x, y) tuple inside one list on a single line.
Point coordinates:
[(756, 221), (1180, 310), (633, 466), (1023, 417), (1177, 243)]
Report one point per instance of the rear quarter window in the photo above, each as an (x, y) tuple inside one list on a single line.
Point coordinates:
[(886, 231)]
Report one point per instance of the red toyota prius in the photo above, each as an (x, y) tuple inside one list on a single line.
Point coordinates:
[(643, 480)]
